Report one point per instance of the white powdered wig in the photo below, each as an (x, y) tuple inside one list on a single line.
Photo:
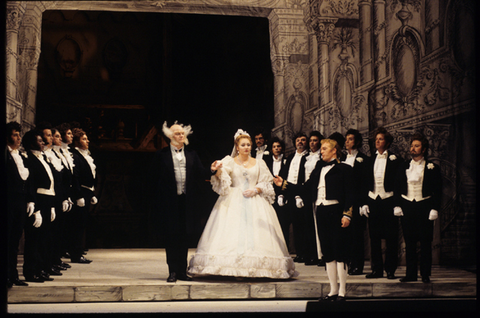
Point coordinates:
[(169, 133)]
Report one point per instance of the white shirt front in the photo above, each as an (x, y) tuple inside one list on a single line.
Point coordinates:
[(51, 190), (295, 167), (415, 181), (312, 160), (350, 160), (321, 188), (379, 177), (179, 167), (277, 164), (24, 173), (260, 151)]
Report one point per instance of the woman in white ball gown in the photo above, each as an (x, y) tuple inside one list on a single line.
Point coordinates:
[(243, 237)]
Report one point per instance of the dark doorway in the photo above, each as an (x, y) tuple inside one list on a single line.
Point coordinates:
[(118, 74)]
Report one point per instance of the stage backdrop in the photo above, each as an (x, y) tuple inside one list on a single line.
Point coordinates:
[(407, 65)]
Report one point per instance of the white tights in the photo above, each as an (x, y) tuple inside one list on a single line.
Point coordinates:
[(337, 270)]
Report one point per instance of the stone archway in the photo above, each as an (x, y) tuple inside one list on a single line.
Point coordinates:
[(289, 42)]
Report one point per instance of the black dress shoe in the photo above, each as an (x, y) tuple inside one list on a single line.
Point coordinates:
[(172, 278), (374, 274), (311, 261), (299, 259), (184, 277), (34, 279), (81, 260), (45, 276), (340, 298), (320, 262), (355, 271), (59, 267), (16, 282), (408, 279), (329, 298), (66, 265), (19, 282), (54, 272), (391, 276), (426, 279)]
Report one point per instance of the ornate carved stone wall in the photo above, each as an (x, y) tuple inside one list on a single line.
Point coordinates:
[(408, 65)]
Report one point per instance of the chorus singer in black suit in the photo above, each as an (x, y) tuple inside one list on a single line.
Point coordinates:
[(418, 196), (37, 265), (275, 162), (84, 182), (330, 189), (20, 199), (178, 172), (294, 172), (382, 224), (359, 162)]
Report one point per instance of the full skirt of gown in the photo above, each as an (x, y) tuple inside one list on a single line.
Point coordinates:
[(243, 237)]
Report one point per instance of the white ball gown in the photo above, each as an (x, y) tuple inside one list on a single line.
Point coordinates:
[(243, 237)]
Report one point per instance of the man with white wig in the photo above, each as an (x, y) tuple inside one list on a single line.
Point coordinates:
[(178, 171)]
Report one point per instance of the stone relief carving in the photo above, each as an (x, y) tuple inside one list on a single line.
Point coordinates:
[(68, 55), (342, 8)]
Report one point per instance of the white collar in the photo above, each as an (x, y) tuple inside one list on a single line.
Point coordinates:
[(354, 153), (419, 162), (37, 153), (279, 157)]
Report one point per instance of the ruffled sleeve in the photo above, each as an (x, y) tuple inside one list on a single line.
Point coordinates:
[(265, 182), (221, 185)]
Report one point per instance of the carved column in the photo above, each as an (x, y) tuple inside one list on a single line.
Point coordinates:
[(29, 50), (14, 16), (432, 25), (379, 39), (365, 16), (323, 28)]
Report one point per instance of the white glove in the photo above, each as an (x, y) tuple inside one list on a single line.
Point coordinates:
[(70, 204), (280, 200), (94, 200), (81, 202), (52, 214), (250, 193), (364, 210), (65, 206), (30, 208), (433, 215), (38, 219), (299, 202), (397, 211)]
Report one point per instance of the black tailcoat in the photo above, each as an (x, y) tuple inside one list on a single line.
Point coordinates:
[(166, 187)]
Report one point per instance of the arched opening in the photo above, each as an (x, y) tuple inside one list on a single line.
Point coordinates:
[(138, 70)]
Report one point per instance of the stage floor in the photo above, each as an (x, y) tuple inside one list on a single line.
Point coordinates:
[(132, 275)]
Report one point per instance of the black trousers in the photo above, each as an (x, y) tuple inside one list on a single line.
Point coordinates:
[(58, 233), (37, 251), (176, 240), (335, 240), (284, 220), (76, 221), (417, 228), (383, 224), (311, 252), (357, 251), (17, 214), (296, 217)]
